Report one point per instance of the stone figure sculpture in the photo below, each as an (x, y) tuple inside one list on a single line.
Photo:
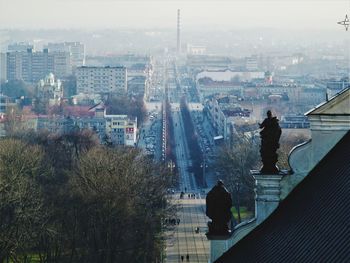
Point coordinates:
[(270, 136), (218, 209)]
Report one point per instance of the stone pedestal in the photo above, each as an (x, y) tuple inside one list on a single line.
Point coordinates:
[(267, 194)]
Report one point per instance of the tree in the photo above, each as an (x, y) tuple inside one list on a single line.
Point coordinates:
[(130, 106), (70, 86), (21, 204), (16, 88), (287, 143), (122, 199), (13, 121), (41, 105), (234, 164), (65, 198), (192, 141)]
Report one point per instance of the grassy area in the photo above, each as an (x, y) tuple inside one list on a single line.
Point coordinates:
[(33, 258), (245, 214)]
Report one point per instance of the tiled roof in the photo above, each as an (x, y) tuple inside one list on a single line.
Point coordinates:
[(78, 111), (312, 224)]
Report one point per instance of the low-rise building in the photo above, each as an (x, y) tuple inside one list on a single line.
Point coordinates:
[(229, 75), (50, 89), (210, 88), (121, 129), (195, 49), (116, 129), (224, 113)]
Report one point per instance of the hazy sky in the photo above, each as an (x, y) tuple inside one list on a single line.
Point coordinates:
[(298, 14)]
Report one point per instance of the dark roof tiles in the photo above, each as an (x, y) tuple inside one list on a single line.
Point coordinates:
[(312, 224)]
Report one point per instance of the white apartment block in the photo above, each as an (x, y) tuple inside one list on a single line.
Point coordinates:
[(76, 50), (101, 80)]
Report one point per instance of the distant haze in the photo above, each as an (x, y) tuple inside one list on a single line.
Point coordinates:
[(94, 14)]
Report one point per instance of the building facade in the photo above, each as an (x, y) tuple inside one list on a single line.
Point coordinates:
[(101, 80), (121, 129), (75, 49), (224, 114), (31, 66), (114, 129), (50, 89), (19, 47), (3, 67)]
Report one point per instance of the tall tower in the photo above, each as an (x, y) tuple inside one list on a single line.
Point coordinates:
[(178, 46)]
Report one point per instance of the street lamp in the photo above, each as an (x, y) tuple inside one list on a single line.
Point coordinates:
[(203, 166)]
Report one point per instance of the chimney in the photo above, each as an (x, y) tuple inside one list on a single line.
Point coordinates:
[(178, 42)]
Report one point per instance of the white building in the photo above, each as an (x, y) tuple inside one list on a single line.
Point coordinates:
[(224, 113), (50, 89), (97, 80), (228, 75), (121, 130), (195, 50)]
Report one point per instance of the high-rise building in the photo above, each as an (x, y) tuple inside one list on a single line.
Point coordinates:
[(32, 66), (3, 67), (178, 44), (14, 65), (96, 80), (19, 47), (76, 50)]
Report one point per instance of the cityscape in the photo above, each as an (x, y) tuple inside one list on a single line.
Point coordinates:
[(118, 128)]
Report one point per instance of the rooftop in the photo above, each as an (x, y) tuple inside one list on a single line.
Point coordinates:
[(311, 224)]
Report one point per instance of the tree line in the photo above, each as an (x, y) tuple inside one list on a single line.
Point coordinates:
[(129, 105), (65, 198)]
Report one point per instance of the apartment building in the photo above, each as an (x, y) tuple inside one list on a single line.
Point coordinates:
[(31, 66), (75, 49), (101, 80), (121, 129)]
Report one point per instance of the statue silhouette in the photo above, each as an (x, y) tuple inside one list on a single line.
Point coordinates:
[(218, 209), (270, 136)]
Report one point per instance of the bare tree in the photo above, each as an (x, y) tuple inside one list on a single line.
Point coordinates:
[(234, 164), (122, 198), (20, 198)]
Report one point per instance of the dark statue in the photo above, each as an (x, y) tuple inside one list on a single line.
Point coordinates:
[(270, 136), (218, 209)]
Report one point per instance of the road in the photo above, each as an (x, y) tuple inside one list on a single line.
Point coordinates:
[(187, 181), (183, 239)]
